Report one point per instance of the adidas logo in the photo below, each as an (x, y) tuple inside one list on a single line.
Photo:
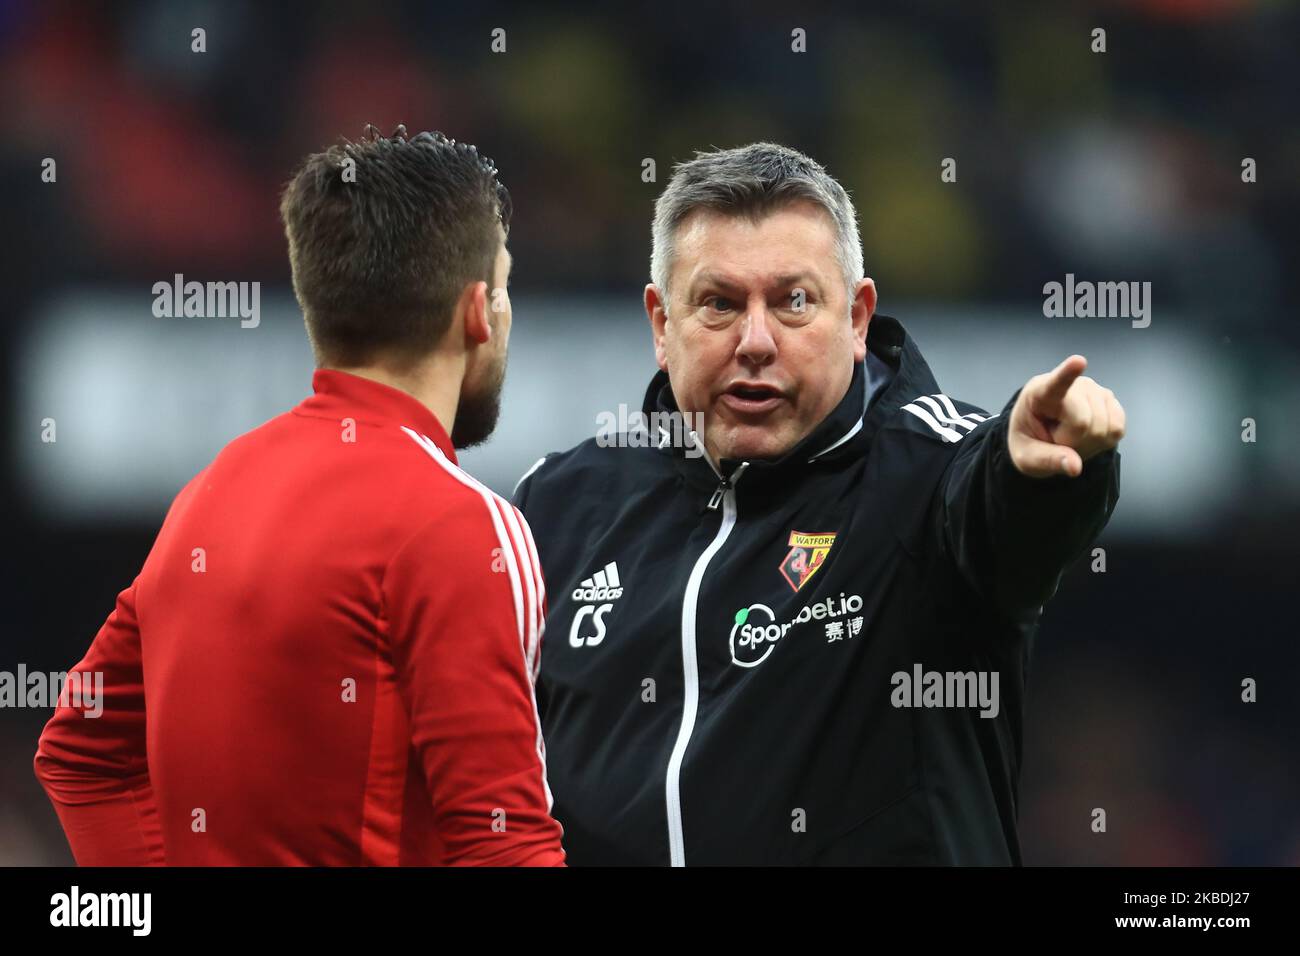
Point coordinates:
[(596, 595), (604, 585)]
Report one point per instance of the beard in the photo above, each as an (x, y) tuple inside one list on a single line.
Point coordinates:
[(479, 407)]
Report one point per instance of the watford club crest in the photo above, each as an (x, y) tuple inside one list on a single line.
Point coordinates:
[(807, 552)]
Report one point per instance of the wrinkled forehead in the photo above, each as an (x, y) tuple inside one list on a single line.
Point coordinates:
[(757, 249)]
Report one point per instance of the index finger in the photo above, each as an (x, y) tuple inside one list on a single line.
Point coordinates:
[(1051, 394)]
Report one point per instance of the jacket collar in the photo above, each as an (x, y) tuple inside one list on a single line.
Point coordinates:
[(846, 432), (340, 395)]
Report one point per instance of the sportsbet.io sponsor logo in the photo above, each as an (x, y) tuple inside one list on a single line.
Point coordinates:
[(756, 631)]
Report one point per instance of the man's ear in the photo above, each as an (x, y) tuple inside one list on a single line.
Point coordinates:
[(860, 312), (472, 314), (656, 312)]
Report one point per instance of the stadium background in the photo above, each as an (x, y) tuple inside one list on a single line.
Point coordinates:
[(1122, 166)]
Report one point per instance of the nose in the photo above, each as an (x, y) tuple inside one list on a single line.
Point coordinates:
[(757, 346)]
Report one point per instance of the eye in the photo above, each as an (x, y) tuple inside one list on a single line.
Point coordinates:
[(718, 303)]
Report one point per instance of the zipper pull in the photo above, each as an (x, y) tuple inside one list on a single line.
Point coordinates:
[(718, 493), (725, 485)]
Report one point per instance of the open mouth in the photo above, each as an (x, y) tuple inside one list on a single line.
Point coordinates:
[(752, 398)]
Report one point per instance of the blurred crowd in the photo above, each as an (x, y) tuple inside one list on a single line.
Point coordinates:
[(1126, 161)]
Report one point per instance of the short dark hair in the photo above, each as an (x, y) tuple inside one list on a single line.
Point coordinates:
[(380, 256)]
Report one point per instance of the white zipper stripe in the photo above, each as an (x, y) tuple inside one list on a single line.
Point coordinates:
[(691, 676)]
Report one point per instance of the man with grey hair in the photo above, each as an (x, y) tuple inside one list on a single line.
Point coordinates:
[(808, 644)]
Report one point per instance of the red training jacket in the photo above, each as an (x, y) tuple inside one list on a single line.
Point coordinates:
[(327, 659)]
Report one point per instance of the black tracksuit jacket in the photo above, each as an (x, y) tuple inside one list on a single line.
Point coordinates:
[(717, 687)]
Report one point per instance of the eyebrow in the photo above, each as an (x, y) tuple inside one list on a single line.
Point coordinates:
[(713, 279), (722, 282)]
